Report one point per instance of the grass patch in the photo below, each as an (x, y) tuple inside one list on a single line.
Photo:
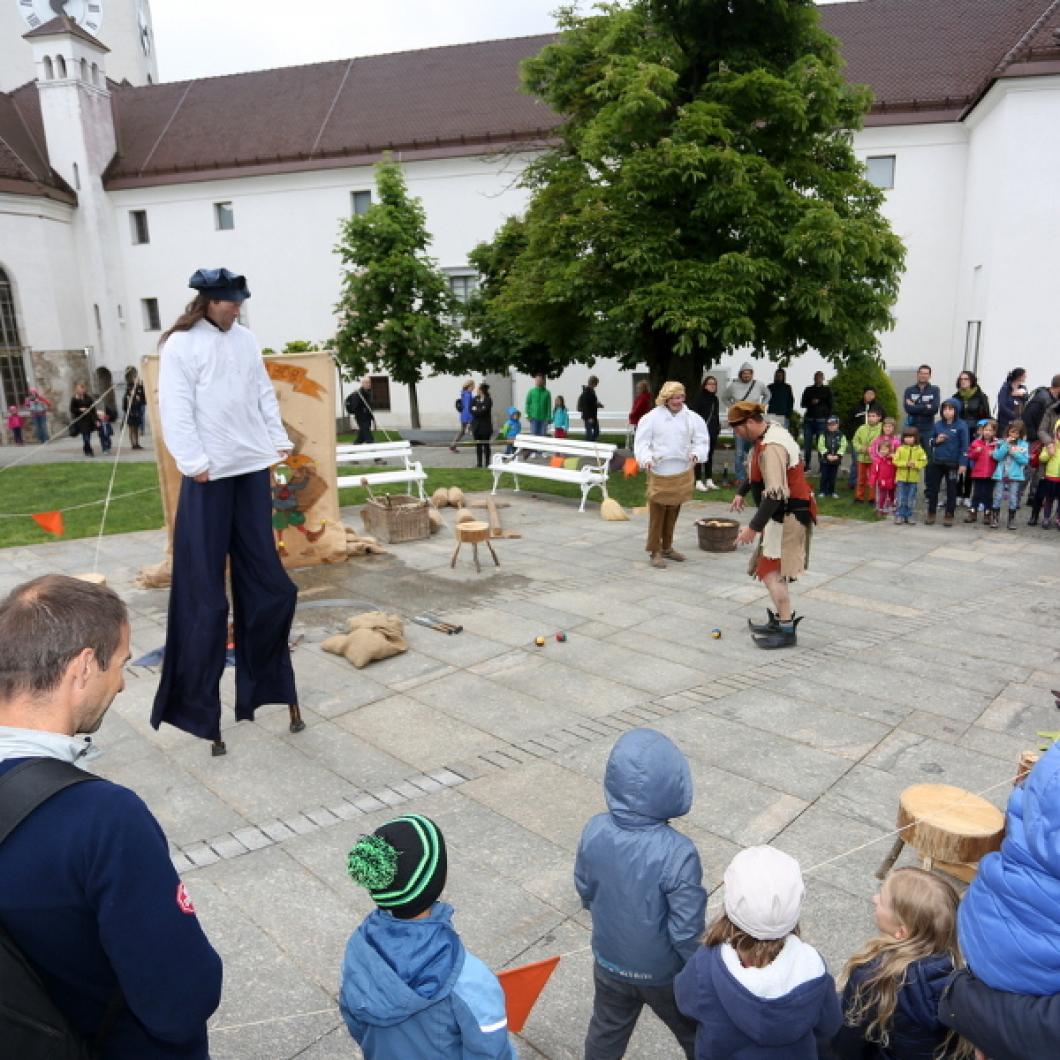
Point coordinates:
[(47, 487)]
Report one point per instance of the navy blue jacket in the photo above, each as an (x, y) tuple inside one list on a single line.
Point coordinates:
[(410, 989), (955, 448), (1004, 1026), (736, 1024), (916, 1031), (921, 406), (90, 896), (641, 879)]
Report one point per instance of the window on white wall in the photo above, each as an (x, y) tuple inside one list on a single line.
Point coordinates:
[(462, 285), (380, 398), (77, 178), (224, 216), (84, 69), (95, 74), (973, 334), (49, 68), (60, 67), (360, 201), (138, 225), (152, 319), (880, 170)]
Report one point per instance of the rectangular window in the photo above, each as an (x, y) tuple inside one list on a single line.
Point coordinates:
[(138, 223), (360, 201), (380, 393), (462, 287), (224, 217), (880, 171), (152, 320), (973, 334)]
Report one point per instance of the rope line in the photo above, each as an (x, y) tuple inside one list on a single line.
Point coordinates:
[(57, 437), (77, 507), (110, 491)]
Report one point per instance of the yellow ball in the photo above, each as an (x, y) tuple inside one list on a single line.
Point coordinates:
[(716, 634), (539, 641)]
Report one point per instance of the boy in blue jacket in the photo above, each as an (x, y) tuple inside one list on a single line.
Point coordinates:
[(947, 445), (643, 884), (409, 988)]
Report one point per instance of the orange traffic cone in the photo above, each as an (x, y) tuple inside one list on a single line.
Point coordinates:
[(522, 986)]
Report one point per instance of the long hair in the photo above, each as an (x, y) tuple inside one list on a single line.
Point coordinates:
[(926, 906), (753, 953), (194, 311)]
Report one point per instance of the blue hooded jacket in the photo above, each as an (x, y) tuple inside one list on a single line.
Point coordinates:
[(410, 989), (641, 879), (955, 448), (915, 1032), (738, 1024), (1008, 924)]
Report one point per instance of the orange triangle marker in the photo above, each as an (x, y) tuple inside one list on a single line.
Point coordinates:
[(522, 986), (49, 522)]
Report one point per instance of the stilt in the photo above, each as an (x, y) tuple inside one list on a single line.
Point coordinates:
[(297, 725)]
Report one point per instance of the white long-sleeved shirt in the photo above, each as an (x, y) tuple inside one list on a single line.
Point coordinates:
[(218, 407), (668, 441)]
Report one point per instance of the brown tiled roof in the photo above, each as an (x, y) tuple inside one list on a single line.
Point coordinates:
[(24, 167), (63, 24), (925, 60)]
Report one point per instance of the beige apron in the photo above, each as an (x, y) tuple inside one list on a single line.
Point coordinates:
[(671, 489)]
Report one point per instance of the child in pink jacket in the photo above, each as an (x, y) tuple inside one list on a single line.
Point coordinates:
[(981, 467), (883, 475)]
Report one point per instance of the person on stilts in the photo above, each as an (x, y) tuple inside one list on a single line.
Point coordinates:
[(787, 512), (221, 423)]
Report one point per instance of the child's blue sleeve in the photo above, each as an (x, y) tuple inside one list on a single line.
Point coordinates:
[(1021, 454), (478, 1004), (687, 902)]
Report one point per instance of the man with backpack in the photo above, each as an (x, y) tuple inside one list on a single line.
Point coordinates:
[(463, 406), (101, 953)]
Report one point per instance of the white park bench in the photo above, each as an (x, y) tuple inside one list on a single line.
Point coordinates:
[(594, 460), (610, 423), (410, 471)]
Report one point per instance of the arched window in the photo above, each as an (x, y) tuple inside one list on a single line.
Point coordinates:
[(60, 67), (13, 386), (77, 178), (95, 74), (84, 69), (150, 80), (49, 70)]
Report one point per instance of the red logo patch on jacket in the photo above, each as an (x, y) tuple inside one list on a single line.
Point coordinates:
[(184, 903)]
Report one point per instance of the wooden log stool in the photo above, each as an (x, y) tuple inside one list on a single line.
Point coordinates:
[(474, 532), (949, 827)]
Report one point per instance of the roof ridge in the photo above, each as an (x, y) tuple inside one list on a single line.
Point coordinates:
[(1023, 44)]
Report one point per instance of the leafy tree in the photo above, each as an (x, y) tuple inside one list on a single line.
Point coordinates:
[(396, 308), (848, 388), (704, 195)]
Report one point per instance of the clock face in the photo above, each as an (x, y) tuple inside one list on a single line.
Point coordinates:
[(88, 14)]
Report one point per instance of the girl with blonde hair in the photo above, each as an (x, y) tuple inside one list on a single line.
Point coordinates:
[(892, 985)]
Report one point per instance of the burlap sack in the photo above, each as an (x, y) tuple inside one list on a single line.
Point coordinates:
[(440, 497), (371, 637), (456, 497), (434, 517)]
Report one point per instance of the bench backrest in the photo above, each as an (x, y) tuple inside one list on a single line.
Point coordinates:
[(599, 451), (357, 454)]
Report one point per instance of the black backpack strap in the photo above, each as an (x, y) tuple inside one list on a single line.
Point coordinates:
[(31, 783)]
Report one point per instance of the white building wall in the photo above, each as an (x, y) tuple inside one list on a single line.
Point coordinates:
[(1008, 273)]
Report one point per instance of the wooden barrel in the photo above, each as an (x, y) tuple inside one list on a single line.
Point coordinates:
[(949, 824), (717, 535), (473, 531)]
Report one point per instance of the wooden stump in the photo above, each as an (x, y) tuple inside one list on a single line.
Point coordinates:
[(474, 532), (950, 828)]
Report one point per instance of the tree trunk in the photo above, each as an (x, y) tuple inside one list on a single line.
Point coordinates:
[(414, 407), (665, 365)]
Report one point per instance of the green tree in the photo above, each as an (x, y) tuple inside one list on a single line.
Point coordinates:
[(848, 388), (396, 308), (703, 196)]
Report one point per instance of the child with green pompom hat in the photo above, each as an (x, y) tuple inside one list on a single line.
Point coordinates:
[(409, 987)]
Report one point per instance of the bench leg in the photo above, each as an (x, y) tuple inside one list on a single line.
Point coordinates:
[(586, 486), (516, 481), (496, 483)]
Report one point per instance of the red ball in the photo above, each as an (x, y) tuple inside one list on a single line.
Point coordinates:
[(561, 637)]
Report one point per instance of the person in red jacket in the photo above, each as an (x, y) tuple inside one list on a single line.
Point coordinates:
[(642, 403)]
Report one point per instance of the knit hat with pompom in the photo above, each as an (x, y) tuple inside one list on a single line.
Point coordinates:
[(402, 865)]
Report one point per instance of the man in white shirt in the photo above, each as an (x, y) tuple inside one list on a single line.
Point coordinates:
[(670, 441), (221, 423)]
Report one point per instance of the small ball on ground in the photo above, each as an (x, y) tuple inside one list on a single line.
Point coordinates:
[(716, 634), (539, 641), (561, 637)]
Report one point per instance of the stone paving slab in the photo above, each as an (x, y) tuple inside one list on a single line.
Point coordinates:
[(925, 655)]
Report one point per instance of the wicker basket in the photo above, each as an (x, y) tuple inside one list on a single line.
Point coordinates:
[(719, 537), (393, 518)]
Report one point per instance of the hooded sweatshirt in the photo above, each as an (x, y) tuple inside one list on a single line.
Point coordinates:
[(410, 989), (785, 1011), (915, 1032), (639, 878), (755, 390), (1007, 923), (953, 450)]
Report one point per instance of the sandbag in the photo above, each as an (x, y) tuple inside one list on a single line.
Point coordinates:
[(371, 636), (456, 497), (434, 517), (440, 497), (465, 516)]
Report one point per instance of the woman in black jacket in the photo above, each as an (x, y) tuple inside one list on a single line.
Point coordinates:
[(974, 406), (83, 417), (482, 424), (708, 405)]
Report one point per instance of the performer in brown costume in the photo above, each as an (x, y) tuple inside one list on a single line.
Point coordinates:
[(785, 517)]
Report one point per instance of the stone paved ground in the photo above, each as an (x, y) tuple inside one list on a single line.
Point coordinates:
[(926, 655)]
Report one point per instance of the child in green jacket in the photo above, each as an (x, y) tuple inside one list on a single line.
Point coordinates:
[(864, 436), (909, 461)]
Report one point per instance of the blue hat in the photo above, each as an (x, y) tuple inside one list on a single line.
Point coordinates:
[(982, 423), (220, 285)]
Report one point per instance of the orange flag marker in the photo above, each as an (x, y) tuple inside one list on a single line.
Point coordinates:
[(522, 987), (49, 522)]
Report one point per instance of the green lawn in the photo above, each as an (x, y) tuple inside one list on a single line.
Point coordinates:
[(46, 487)]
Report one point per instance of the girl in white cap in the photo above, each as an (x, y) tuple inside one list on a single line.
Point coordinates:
[(754, 987)]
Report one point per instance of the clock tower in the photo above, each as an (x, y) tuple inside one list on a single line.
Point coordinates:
[(124, 26)]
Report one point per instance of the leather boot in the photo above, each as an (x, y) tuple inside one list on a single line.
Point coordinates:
[(994, 520), (1011, 520), (929, 519), (779, 637), (972, 515), (947, 519), (657, 561)]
